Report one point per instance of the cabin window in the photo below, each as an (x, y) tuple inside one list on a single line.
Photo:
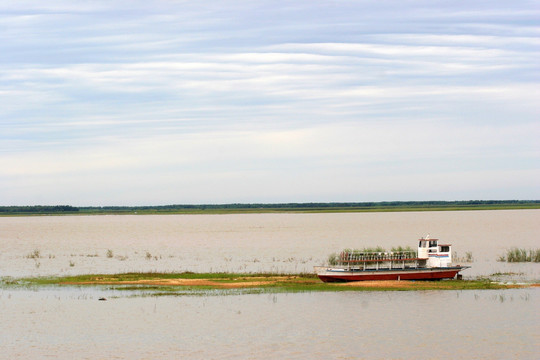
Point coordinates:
[(444, 249), (432, 244)]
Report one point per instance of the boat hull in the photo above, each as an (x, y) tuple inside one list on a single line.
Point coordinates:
[(338, 275)]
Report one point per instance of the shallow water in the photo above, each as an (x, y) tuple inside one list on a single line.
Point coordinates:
[(376, 325), (67, 323), (252, 242)]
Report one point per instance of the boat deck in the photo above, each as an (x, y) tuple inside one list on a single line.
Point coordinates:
[(327, 274)]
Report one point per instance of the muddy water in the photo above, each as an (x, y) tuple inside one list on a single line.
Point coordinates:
[(252, 243), (377, 325), (72, 324)]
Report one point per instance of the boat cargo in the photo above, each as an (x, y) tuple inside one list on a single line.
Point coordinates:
[(432, 261)]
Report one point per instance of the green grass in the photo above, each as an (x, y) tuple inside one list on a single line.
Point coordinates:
[(137, 276), (509, 273), (520, 255), (274, 283)]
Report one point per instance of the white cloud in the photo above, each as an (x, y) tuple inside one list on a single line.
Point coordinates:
[(222, 98)]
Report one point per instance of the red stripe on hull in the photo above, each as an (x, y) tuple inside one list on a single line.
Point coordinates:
[(418, 275)]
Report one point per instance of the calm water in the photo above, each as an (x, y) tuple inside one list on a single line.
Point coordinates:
[(377, 325), (252, 243), (71, 323)]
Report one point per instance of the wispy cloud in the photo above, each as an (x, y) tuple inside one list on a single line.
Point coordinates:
[(310, 92)]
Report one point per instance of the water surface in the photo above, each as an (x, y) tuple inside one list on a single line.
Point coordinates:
[(351, 325), (70, 323), (251, 242)]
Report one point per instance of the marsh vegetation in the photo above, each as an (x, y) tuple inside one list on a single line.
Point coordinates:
[(468, 257), (189, 282), (520, 255)]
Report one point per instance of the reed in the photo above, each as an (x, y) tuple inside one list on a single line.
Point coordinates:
[(402, 249), (520, 255), (371, 249), (333, 259), (36, 254), (509, 273), (467, 258), (535, 255)]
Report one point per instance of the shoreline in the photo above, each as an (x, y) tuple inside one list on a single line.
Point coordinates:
[(293, 208), (178, 283)]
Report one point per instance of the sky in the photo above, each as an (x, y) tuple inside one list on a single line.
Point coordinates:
[(208, 102)]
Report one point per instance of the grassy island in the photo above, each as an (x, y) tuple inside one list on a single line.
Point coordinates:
[(193, 283)]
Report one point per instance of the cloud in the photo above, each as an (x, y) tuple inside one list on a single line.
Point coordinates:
[(228, 96)]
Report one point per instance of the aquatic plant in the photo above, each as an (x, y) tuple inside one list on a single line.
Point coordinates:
[(36, 254), (509, 273), (333, 259), (535, 255), (402, 249), (370, 249), (467, 258), (517, 255), (520, 255)]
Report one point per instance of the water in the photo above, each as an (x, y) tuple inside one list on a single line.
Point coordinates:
[(251, 243), (379, 325), (72, 323)]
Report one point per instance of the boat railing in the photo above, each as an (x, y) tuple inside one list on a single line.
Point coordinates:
[(348, 257)]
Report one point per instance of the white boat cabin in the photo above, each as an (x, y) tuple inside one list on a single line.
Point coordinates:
[(436, 254)]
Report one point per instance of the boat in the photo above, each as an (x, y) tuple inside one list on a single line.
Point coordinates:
[(432, 261)]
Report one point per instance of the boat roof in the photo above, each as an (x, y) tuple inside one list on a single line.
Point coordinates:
[(429, 239)]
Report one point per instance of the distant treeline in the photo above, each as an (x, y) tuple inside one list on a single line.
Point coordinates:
[(347, 206), (38, 209), (330, 205)]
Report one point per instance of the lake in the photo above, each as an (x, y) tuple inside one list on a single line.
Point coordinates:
[(71, 323)]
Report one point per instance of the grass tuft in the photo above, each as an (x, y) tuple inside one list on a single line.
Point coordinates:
[(520, 255), (36, 254)]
